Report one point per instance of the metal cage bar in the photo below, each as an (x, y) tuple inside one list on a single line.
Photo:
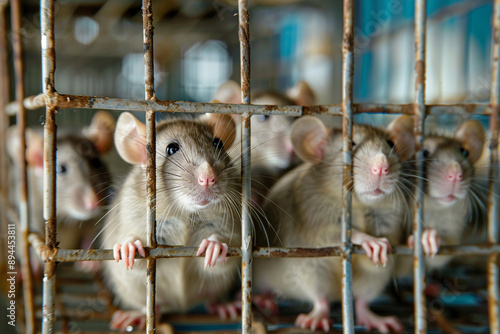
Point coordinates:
[(246, 224), (147, 14), (23, 185), (493, 214), (347, 119), (419, 110), (4, 118), (49, 167)]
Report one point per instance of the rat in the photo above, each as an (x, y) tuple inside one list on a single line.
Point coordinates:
[(83, 180), (271, 148), (304, 210), (198, 204), (450, 188)]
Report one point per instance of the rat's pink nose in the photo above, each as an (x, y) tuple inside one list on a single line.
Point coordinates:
[(455, 175), (91, 201), (206, 180), (380, 168)]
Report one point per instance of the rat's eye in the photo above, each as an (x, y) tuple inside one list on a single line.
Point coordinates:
[(426, 153), (390, 143), (96, 162), (464, 152), (218, 144), (262, 118), (61, 169), (172, 148), (353, 144)]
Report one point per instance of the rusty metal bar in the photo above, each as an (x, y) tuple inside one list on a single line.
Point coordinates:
[(93, 102), (347, 121), (4, 122), (49, 163), (23, 176), (160, 252), (147, 22), (246, 224), (493, 209), (419, 110)]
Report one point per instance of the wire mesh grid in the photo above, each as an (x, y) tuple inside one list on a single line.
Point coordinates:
[(150, 105)]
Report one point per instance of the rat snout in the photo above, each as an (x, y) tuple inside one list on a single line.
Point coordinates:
[(380, 165), (454, 172), (90, 201), (206, 175)]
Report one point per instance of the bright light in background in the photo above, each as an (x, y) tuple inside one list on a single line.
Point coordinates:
[(85, 30), (204, 68)]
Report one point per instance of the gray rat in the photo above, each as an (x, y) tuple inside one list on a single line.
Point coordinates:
[(304, 209), (450, 194), (83, 180), (272, 150), (198, 202)]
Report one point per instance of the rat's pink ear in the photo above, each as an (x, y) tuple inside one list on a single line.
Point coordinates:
[(130, 139), (223, 127), (100, 132), (472, 136), (34, 147), (229, 92), (400, 131), (309, 137), (301, 94)]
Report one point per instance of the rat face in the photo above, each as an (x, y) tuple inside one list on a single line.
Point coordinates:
[(448, 170), (376, 165), (192, 163), (83, 181)]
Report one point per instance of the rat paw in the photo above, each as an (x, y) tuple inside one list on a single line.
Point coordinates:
[(382, 324), (266, 304), (365, 317), (314, 321), (122, 320), (430, 241), (212, 248), (229, 310), (127, 252), (376, 248)]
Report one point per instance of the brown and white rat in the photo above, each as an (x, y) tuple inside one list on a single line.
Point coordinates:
[(450, 195), (83, 180), (272, 151), (197, 204), (305, 206)]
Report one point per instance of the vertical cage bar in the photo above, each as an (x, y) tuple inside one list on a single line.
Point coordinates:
[(246, 229), (23, 184), (419, 111), (49, 160), (493, 214), (147, 21), (347, 119), (4, 118)]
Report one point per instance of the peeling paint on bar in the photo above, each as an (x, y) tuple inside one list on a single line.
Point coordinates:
[(419, 110), (49, 157), (161, 252), (94, 102), (493, 209), (147, 25), (246, 223), (347, 122)]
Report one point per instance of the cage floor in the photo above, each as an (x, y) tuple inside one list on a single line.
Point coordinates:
[(457, 303)]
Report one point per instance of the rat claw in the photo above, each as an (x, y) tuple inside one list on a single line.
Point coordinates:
[(376, 252), (124, 251), (140, 248), (325, 325), (116, 252), (208, 254), (434, 241), (215, 254), (131, 256), (203, 247)]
